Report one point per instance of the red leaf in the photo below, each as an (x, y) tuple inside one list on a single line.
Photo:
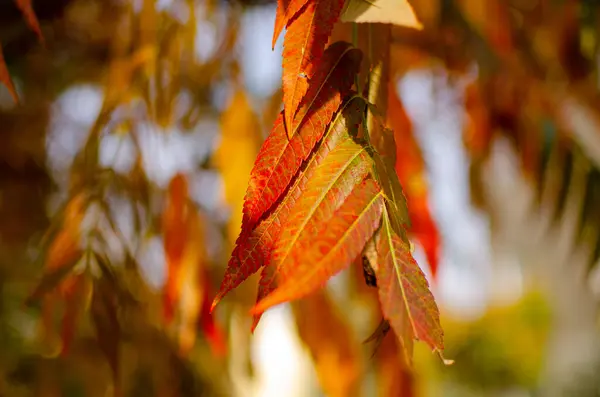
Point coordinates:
[(279, 158), (303, 46), (286, 10), (333, 248), (406, 300), (253, 249), (6, 79)]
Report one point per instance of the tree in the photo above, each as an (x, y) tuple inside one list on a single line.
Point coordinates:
[(338, 183)]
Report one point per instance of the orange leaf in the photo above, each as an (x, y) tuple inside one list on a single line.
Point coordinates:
[(303, 46), (331, 81), (330, 342), (279, 158), (253, 249), (184, 242), (6, 79), (327, 186), (406, 300), (286, 10), (336, 243)]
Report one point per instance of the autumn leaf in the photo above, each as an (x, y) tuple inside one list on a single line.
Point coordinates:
[(330, 83), (286, 10), (338, 242), (303, 47), (253, 250), (406, 300), (330, 342), (184, 246), (279, 158), (396, 12), (6, 79)]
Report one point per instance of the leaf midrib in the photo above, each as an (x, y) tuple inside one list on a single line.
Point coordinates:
[(388, 232), (297, 181), (343, 238), (318, 203)]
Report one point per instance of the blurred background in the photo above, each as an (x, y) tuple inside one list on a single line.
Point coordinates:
[(128, 106)]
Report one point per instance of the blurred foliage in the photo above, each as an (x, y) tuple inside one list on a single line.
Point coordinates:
[(82, 232), (501, 351)]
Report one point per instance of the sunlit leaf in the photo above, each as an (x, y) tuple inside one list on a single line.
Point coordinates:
[(333, 244), (406, 300), (286, 10), (396, 12), (254, 250), (303, 47), (279, 157)]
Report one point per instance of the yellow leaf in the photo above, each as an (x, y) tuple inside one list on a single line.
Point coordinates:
[(240, 142), (396, 12)]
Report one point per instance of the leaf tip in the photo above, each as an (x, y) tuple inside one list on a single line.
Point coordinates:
[(447, 362)]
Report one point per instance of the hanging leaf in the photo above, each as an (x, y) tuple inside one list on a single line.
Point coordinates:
[(338, 242), (286, 10), (329, 339), (279, 158), (333, 78), (303, 47), (183, 244), (406, 300), (254, 250), (396, 12)]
